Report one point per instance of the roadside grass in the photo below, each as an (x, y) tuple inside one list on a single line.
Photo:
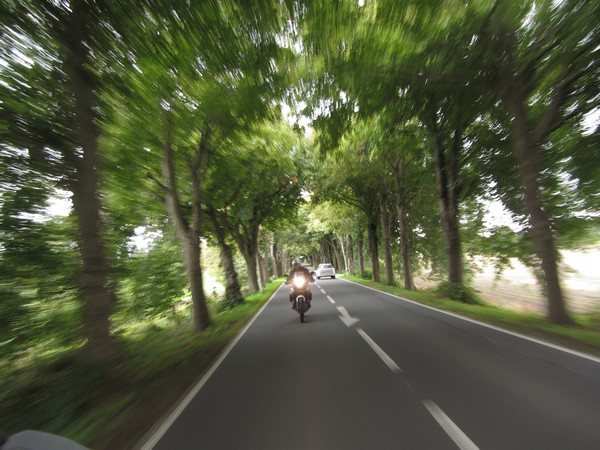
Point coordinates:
[(583, 337), (173, 345), (90, 404)]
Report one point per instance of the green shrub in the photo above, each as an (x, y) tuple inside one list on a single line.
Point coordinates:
[(455, 291)]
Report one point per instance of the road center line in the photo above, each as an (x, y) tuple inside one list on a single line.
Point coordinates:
[(377, 349), (456, 434), (331, 300)]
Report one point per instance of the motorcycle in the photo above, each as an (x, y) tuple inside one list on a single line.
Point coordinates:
[(300, 294)]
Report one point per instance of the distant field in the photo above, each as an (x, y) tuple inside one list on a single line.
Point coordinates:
[(517, 288)]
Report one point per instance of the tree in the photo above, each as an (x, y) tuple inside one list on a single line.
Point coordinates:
[(233, 291), (268, 165), (218, 82), (338, 219), (411, 62), (350, 177), (548, 64), (67, 43)]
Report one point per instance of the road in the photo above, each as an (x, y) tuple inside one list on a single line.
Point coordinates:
[(371, 371)]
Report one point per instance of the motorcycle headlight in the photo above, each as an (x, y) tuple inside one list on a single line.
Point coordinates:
[(299, 282)]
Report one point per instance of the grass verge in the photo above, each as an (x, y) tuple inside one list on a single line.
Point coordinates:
[(102, 407), (583, 337)]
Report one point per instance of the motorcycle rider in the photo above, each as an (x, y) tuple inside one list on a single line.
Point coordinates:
[(299, 269)]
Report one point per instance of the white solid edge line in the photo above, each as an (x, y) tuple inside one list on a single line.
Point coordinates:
[(456, 434), (156, 435), (487, 325), (379, 351)]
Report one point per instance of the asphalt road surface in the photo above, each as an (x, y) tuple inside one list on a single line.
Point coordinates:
[(371, 371)]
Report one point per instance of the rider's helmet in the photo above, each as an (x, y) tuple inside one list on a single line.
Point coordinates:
[(296, 263)]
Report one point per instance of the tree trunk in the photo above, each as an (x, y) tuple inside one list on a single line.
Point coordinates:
[(337, 253), (277, 269), (284, 261), (405, 250), (265, 260), (374, 250), (191, 251), (361, 254), (101, 346), (253, 285), (387, 241), (344, 256), (233, 291), (188, 235), (528, 154), (402, 208), (249, 248), (261, 274), (351, 267), (447, 174)]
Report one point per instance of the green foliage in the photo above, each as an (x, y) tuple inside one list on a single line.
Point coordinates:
[(39, 287), (87, 403), (153, 280)]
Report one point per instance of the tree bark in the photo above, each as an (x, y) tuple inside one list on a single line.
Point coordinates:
[(387, 240), (285, 258), (188, 235), (351, 266), (374, 250), (253, 285), (343, 249), (101, 346), (261, 274), (447, 174), (233, 290), (265, 259), (275, 262), (361, 254), (402, 208), (249, 248), (339, 260), (528, 155)]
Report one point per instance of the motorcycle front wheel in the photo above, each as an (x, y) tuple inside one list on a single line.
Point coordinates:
[(301, 308)]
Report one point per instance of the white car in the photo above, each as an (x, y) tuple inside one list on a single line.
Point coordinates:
[(325, 270)]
